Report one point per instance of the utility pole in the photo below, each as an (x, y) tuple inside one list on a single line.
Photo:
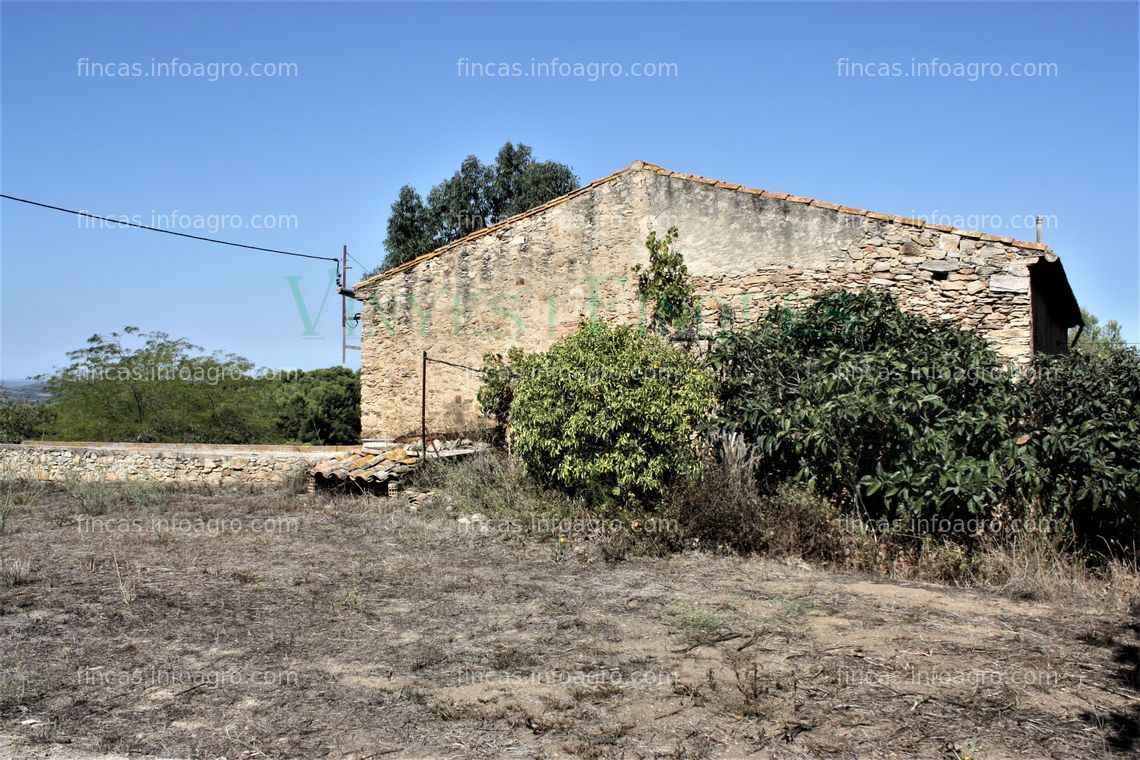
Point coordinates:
[(344, 307), (345, 294)]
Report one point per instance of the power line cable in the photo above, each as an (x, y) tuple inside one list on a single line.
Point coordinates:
[(364, 268), (125, 223), (452, 364)]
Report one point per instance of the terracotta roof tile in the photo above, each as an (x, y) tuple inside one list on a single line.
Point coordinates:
[(375, 467)]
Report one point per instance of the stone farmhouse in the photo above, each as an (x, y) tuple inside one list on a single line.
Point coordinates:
[(530, 279)]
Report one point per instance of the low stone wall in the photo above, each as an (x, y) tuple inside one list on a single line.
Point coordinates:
[(161, 463)]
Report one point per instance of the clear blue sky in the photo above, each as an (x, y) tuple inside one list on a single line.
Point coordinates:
[(759, 96)]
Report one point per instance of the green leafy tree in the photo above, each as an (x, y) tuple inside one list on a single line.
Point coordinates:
[(162, 389), (610, 414), (521, 183), (664, 285), (461, 204), (22, 420), (409, 229), (1102, 339), (1083, 413), (135, 386), (476, 196), (320, 406), (892, 414), (511, 167), (543, 181)]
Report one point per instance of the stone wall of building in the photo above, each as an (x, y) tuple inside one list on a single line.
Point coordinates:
[(255, 466), (532, 279), (523, 285), (750, 250)]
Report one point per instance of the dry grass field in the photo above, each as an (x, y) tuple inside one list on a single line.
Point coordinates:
[(136, 622)]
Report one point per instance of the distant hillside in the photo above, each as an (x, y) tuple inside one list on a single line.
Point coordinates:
[(24, 390)]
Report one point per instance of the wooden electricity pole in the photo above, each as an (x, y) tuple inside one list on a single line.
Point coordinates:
[(344, 306)]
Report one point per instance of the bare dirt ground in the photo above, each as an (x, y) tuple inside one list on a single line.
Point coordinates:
[(313, 627)]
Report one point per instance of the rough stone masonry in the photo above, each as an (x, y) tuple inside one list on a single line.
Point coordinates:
[(530, 279), (174, 463)]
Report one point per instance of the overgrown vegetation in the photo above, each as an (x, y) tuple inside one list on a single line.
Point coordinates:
[(665, 288), (1083, 416), (915, 429), (22, 420), (494, 486), (150, 387), (844, 430), (724, 509), (497, 391), (888, 413)]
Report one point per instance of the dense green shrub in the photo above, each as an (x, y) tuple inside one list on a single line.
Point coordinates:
[(912, 425), (136, 386), (318, 406), (871, 407), (1084, 409), (22, 420), (610, 414), (497, 390)]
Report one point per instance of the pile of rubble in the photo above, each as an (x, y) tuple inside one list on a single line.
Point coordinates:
[(386, 464)]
